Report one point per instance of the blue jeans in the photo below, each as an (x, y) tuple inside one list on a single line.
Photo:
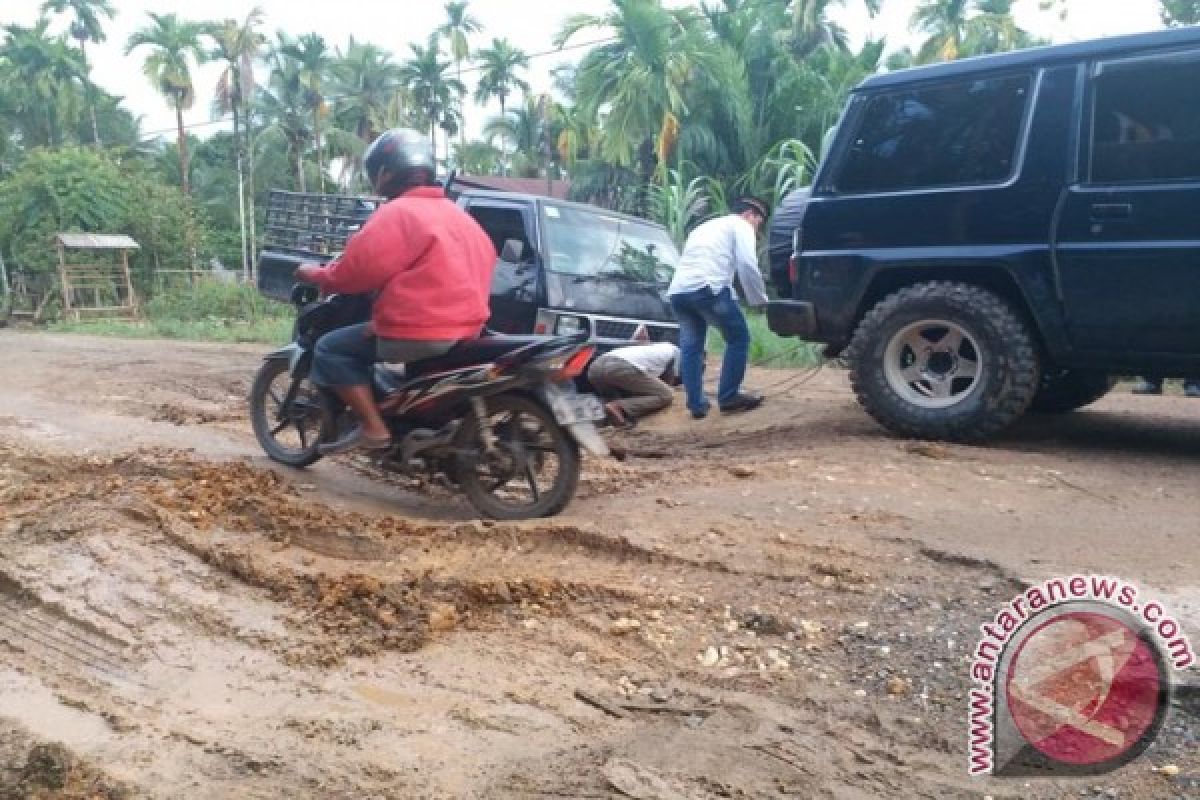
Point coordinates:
[(347, 356), (695, 312)]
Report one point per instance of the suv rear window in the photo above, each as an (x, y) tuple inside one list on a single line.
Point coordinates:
[(1147, 122), (954, 134)]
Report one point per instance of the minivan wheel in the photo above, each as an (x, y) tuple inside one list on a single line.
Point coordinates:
[(1067, 390), (944, 361)]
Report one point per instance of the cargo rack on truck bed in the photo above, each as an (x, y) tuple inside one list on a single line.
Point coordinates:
[(316, 225)]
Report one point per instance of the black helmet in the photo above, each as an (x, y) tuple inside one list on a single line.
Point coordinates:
[(405, 155)]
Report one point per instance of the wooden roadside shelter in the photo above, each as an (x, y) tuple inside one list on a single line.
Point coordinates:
[(100, 289)]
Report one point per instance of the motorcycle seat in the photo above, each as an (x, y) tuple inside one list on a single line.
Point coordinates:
[(470, 352)]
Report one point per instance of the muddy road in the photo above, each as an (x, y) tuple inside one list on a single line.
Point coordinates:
[(776, 605)]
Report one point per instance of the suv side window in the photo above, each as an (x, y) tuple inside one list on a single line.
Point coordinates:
[(955, 134), (503, 224), (1146, 121)]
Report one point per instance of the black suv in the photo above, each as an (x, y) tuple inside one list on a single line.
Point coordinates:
[(1005, 233)]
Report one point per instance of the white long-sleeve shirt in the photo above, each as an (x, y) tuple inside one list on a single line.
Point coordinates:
[(717, 251)]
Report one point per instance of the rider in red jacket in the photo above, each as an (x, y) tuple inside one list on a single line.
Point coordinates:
[(430, 265)]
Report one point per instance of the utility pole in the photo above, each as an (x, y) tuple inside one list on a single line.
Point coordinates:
[(4, 280)]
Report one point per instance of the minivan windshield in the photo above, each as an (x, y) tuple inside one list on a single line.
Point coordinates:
[(592, 244)]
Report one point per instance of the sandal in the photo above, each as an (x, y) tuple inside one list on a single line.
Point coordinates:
[(355, 440)]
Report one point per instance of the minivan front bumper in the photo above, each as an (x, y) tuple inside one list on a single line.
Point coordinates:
[(793, 318)]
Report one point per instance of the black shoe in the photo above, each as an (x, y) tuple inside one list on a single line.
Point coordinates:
[(744, 401), (701, 414), (1148, 388)]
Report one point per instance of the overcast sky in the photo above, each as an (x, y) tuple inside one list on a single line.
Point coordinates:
[(529, 24)]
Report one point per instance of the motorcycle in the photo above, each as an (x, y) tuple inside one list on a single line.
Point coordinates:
[(498, 417)]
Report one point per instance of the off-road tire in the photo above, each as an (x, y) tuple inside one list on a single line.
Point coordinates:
[(566, 450), (1007, 380), (1069, 390)]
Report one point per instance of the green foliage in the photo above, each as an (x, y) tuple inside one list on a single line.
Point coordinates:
[(213, 300), (769, 350), (1176, 13), (206, 311), (680, 206), (675, 109), (82, 189)]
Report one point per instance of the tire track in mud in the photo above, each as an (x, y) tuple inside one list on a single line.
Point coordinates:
[(53, 637)]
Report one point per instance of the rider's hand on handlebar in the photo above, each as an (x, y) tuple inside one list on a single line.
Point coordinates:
[(307, 273)]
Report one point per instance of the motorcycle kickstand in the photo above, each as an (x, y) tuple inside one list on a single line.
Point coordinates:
[(485, 429)]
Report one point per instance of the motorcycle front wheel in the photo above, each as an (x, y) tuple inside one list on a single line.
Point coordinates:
[(532, 469), (289, 433)]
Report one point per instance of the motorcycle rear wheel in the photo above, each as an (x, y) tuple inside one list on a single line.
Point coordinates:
[(512, 481)]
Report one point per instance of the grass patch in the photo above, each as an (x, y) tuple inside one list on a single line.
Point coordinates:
[(207, 312), (769, 350), (268, 331)]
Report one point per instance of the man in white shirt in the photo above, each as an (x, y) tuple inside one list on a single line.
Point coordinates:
[(643, 374), (702, 294)]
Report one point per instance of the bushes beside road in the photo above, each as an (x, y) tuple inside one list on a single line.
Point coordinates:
[(207, 311)]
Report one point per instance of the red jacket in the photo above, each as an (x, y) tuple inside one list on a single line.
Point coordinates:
[(429, 261)]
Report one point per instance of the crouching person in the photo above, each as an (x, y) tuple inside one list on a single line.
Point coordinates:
[(640, 376)]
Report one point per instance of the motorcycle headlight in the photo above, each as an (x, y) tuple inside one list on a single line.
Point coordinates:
[(568, 325)]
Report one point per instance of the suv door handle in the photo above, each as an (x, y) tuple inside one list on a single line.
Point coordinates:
[(1112, 211)]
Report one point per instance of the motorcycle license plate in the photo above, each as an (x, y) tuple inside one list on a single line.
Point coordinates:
[(571, 408)]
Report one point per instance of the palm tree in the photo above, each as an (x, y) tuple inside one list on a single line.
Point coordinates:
[(811, 26), (458, 26), (315, 60), (366, 81), (85, 27), (169, 69), (960, 28), (499, 77), (432, 90), (237, 44), (499, 66), (946, 23), (640, 85), (523, 129), (43, 76), (283, 104), (993, 29)]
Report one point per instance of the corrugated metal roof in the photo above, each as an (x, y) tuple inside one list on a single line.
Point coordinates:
[(96, 241)]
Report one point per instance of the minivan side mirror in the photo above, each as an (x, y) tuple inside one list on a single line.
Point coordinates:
[(513, 251)]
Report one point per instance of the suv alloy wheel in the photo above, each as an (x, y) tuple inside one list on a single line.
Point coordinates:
[(944, 360)]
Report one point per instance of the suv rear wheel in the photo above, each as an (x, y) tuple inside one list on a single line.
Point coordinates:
[(944, 361)]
